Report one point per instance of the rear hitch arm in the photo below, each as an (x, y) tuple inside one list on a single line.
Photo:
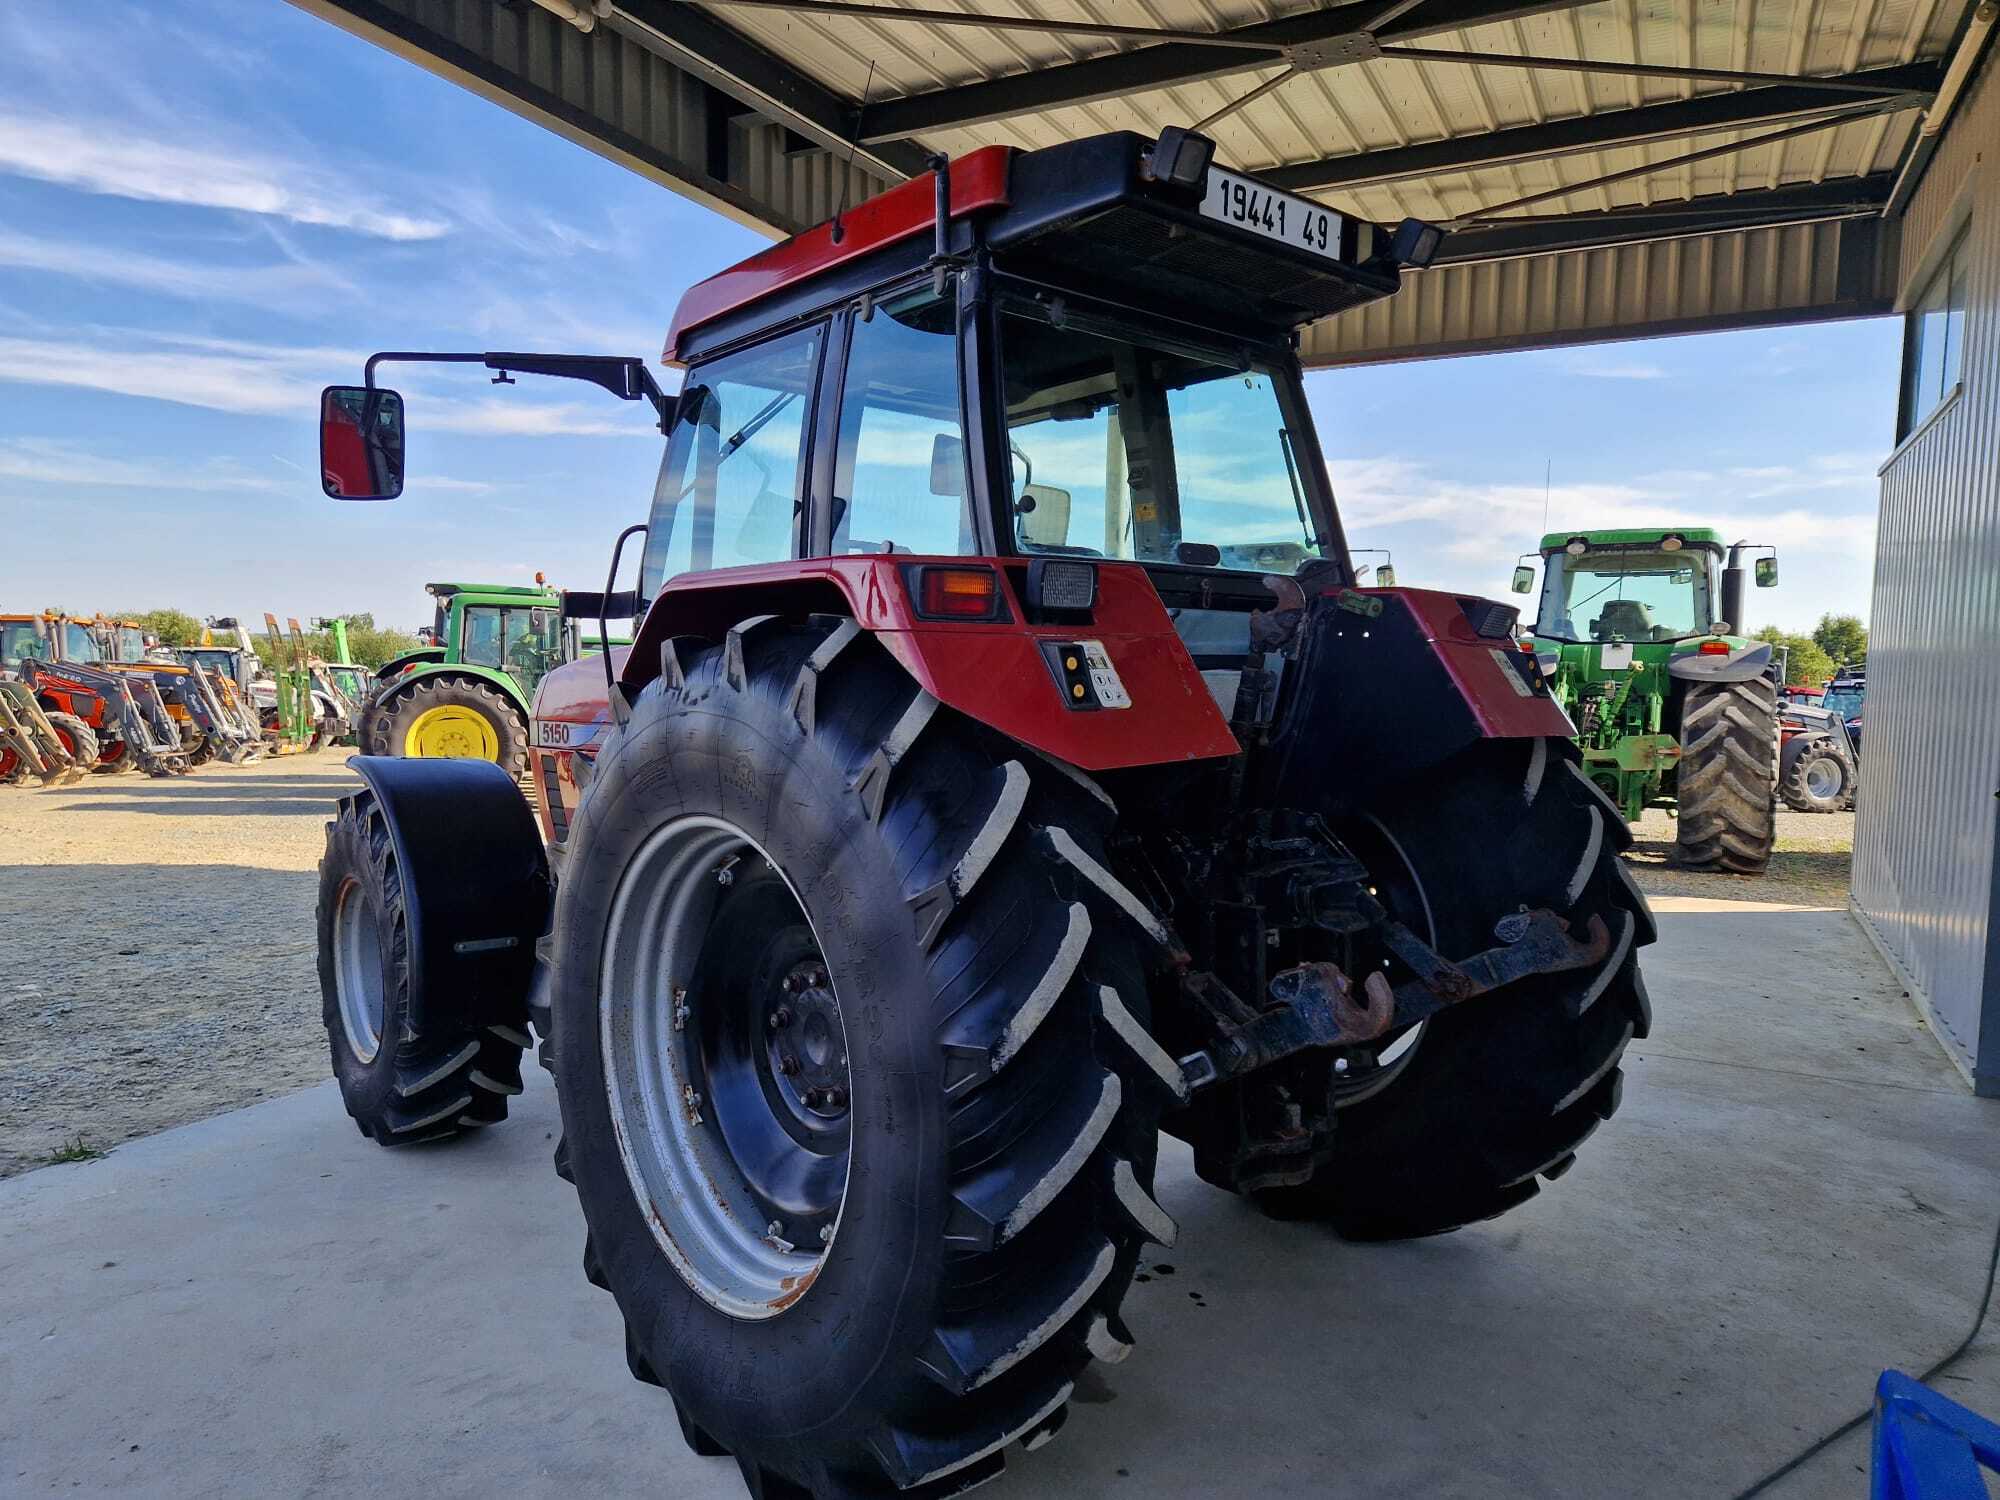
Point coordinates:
[(1319, 1005)]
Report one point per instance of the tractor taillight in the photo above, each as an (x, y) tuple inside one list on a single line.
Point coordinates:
[(1714, 648), (957, 594)]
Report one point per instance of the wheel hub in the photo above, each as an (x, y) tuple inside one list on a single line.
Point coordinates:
[(807, 1051), (1823, 777), (452, 732)]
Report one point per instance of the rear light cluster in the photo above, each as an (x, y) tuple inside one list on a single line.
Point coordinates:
[(962, 594), (1489, 619), (1714, 648)]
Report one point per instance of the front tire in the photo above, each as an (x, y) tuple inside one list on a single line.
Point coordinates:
[(1500, 1091), (1726, 786), (948, 1244), (459, 717), (1818, 775), (78, 738), (399, 1083)]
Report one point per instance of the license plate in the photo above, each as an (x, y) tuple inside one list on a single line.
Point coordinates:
[(1244, 203)]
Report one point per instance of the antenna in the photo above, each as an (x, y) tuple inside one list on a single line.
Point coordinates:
[(853, 145)]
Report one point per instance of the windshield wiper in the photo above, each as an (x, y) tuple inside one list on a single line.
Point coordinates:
[(1298, 493)]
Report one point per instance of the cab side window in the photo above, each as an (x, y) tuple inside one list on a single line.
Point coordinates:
[(899, 471), (734, 476)]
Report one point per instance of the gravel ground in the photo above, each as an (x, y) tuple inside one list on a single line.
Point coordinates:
[(160, 944), (160, 950), (1809, 867)]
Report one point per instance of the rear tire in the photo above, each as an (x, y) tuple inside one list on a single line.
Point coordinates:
[(405, 709), (78, 738), (1726, 785), (1817, 775), (1499, 1091), (401, 1086), (1001, 1093)]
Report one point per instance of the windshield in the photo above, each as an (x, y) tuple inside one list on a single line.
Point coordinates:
[(18, 639), (131, 643), (79, 644), (1624, 593), (1845, 701), (1125, 450)]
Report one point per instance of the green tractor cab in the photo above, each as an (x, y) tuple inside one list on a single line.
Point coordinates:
[(466, 694), (1638, 632)]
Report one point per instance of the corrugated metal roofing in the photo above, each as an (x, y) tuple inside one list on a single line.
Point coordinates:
[(1391, 102)]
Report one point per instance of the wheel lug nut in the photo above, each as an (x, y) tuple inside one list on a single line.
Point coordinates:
[(781, 1018), (826, 1234), (788, 1066), (835, 1097)]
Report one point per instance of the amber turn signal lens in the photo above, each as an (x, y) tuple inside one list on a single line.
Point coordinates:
[(958, 593)]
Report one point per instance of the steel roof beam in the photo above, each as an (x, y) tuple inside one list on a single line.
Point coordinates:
[(727, 60), (1156, 67), (1847, 197), (1611, 127)]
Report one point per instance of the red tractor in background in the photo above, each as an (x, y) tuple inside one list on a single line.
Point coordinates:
[(1007, 767)]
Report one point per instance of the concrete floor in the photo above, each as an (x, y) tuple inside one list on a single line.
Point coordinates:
[(1797, 1193)]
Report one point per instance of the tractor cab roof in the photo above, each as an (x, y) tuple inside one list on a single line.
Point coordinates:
[(510, 590), (1216, 247), (1646, 536)]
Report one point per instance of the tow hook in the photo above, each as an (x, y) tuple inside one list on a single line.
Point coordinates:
[(1318, 1004)]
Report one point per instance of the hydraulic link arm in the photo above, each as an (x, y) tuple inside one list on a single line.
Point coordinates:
[(1318, 1005)]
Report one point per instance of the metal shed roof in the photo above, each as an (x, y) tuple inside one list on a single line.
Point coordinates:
[(1544, 130)]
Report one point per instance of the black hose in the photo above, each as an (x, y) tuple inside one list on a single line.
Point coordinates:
[(1861, 1418)]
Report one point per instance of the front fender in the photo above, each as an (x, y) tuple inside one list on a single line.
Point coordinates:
[(475, 885), (1739, 665), (498, 679)]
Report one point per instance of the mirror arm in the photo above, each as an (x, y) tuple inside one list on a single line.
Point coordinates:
[(620, 709), (622, 375)]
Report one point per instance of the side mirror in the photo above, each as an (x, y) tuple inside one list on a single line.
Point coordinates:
[(1524, 580), (1385, 576), (1767, 572), (948, 465), (1044, 512), (360, 443)]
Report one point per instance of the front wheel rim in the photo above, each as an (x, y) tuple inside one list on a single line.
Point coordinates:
[(357, 971), (725, 1067), (1823, 778)]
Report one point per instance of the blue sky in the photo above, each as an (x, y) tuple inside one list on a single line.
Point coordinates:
[(209, 209)]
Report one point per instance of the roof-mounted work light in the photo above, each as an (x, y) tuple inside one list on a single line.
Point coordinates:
[(1415, 243), (1180, 157)]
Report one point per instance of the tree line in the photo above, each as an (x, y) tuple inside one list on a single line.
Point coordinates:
[(369, 643), (1837, 641)]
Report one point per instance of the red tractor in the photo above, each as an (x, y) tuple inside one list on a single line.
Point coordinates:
[(1006, 769)]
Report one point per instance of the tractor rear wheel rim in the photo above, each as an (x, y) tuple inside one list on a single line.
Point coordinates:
[(725, 1066), (1823, 778), (357, 971)]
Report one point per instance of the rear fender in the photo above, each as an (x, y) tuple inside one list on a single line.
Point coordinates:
[(997, 674), (1739, 665), (1376, 699), (475, 886)]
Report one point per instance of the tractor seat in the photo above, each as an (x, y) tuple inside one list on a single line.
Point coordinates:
[(1624, 617)]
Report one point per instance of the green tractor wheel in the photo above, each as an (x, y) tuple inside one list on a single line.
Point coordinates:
[(451, 717), (1727, 782)]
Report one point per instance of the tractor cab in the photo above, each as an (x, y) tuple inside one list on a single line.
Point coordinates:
[(503, 628)]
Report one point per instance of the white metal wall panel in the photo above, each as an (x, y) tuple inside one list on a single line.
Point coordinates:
[(1925, 877), (1784, 274)]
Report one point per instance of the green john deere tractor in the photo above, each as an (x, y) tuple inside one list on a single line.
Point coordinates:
[(466, 693), (1639, 632)]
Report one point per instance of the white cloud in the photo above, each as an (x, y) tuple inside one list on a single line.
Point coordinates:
[(275, 286), (1596, 367), (47, 461), (1476, 522), (118, 161), (252, 379)]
